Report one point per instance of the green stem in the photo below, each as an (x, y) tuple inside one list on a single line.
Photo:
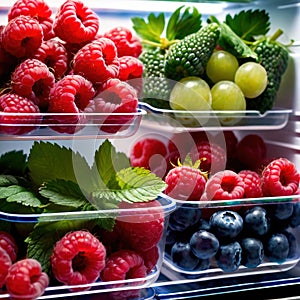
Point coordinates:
[(276, 35)]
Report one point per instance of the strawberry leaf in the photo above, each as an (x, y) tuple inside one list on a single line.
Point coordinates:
[(6, 180), (13, 163), (250, 23)]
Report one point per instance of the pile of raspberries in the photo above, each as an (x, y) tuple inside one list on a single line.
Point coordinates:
[(61, 63)]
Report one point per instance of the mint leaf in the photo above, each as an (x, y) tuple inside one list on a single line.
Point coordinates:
[(13, 163), (250, 23), (61, 192), (151, 30), (181, 25)]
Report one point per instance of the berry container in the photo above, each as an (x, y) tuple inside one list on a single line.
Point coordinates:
[(22, 226), (227, 230)]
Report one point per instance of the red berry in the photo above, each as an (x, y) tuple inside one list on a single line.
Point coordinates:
[(130, 68), (97, 61), (185, 183), (148, 152), (252, 183), (225, 185), (8, 243), (22, 36), (12, 108), (75, 22), (126, 43), (78, 258), (53, 53), (37, 9), (5, 264), (25, 279), (280, 178), (33, 79), (142, 228), (123, 265), (150, 257)]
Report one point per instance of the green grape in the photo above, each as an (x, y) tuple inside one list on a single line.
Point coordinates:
[(226, 95), (222, 65), (191, 93), (252, 79)]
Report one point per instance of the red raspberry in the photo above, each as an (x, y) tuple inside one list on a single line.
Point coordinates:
[(280, 178), (22, 36), (185, 183), (148, 152), (142, 228), (53, 53), (37, 9), (123, 265), (126, 43), (5, 264), (75, 22), (225, 185), (78, 258), (10, 106), (97, 61), (150, 258), (25, 279), (252, 183), (8, 243), (212, 156), (33, 79)]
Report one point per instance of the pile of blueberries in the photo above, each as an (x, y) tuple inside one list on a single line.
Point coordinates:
[(229, 237)]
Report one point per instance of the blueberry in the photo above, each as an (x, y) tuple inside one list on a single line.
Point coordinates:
[(295, 217), (256, 221), (184, 217), (252, 252), (293, 251), (277, 248), (183, 257), (204, 244), (204, 225), (202, 265), (226, 224), (283, 211), (229, 257)]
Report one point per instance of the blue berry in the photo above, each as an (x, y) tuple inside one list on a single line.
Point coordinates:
[(226, 224), (283, 211), (184, 217), (256, 221), (277, 248), (204, 244), (202, 265), (183, 257), (293, 251), (229, 257), (295, 217), (252, 252)]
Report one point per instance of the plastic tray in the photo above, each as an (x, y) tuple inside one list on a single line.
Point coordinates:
[(179, 275), (99, 287), (62, 126), (170, 120)]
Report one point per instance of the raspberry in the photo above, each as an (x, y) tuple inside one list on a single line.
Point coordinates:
[(252, 183), (116, 97), (148, 153), (225, 185), (126, 43), (8, 243), (280, 178), (185, 183), (78, 258), (150, 258), (33, 79), (75, 22), (53, 53), (212, 156), (13, 104), (5, 264), (26, 279), (22, 36), (37, 9), (142, 229), (123, 264), (97, 61)]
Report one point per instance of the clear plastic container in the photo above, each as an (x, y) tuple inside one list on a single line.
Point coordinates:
[(157, 211)]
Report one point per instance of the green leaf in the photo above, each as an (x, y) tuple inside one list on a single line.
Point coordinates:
[(105, 199), (13, 163), (61, 192), (151, 30), (6, 180), (181, 25), (250, 23)]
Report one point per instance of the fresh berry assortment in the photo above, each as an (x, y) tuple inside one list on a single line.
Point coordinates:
[(44, 49)]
